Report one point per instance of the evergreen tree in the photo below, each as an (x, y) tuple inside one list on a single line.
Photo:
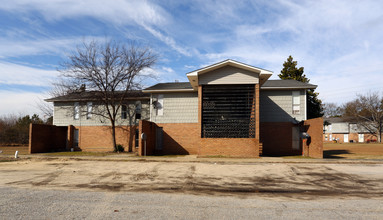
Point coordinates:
[(290, 71)]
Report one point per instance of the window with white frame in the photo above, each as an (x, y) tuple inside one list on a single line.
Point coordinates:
[(296, 102), (124, 112), (160, 104), (89, 106), (138, 109), (76, 110)]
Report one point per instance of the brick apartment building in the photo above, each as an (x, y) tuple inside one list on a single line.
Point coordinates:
[(343, 130), (226, 109)]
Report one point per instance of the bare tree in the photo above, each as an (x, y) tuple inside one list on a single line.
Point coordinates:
[(331, 110), (59, 88), (367, 111), (111, 70)]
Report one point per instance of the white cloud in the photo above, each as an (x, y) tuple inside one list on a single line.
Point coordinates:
[(117, 11), (19, 102), (24, 47), (146, 14), (167, 40), (161, 74), (14, 74), (338, 42)]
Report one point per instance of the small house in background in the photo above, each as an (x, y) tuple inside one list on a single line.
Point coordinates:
[(225, 109), (344, 130)]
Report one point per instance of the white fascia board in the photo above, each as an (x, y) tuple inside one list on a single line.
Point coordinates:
[(193, 79)]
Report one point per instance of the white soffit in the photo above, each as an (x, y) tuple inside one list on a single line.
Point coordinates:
[(264, 75)]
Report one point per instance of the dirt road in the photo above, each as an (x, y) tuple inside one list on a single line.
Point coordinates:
[(300, 181)]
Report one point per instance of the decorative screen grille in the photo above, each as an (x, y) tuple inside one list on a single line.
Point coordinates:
[(228, 111)]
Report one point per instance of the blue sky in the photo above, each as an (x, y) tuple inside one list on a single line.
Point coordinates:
[(339, 42)]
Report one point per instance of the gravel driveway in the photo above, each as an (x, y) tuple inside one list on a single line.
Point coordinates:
[(294, 180)]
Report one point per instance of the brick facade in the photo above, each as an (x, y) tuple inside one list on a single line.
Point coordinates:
[(352, 137), (99, 138), (313, 146), (181, 138), (233, 147), (185, 138), (276, 138), (147, 147), (47, 138)]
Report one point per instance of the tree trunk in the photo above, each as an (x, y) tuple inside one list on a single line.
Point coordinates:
[(114, 136)]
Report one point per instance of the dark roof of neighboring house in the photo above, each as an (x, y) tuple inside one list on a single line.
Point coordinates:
[(339, 120), (269, 84), (287, 83), (91, 95), (170, 86)]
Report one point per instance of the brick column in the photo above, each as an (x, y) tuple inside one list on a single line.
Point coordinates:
[(70, 136), (257, 112), (140, 141), (199, 117)]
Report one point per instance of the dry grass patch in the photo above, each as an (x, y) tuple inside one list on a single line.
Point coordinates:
[(79, 153), (353, 150), (10, 150)]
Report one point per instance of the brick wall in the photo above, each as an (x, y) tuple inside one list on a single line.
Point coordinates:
[(47, 138), (351, 136), (184, 138), (313, 146), (181, 138), (70, 136), (99, 138), (149, 128), (276, 138), (233, 147)]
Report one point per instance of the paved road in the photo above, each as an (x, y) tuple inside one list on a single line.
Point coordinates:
[(18, 203)]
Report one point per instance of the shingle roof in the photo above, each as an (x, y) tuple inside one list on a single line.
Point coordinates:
[(340, 120), (269, 84), (170, 86), (286, 84), (91, 95)]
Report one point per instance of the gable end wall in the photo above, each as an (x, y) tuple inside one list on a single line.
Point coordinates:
[(228, 75)]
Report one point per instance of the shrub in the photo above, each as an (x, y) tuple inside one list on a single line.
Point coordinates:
[(119, 148)]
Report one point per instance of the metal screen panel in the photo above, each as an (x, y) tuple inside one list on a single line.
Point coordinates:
[(228, 111)]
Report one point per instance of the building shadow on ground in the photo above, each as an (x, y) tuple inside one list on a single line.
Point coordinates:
[(334, 154)]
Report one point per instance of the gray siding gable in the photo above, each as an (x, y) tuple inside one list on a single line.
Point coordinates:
[(228, 75)]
